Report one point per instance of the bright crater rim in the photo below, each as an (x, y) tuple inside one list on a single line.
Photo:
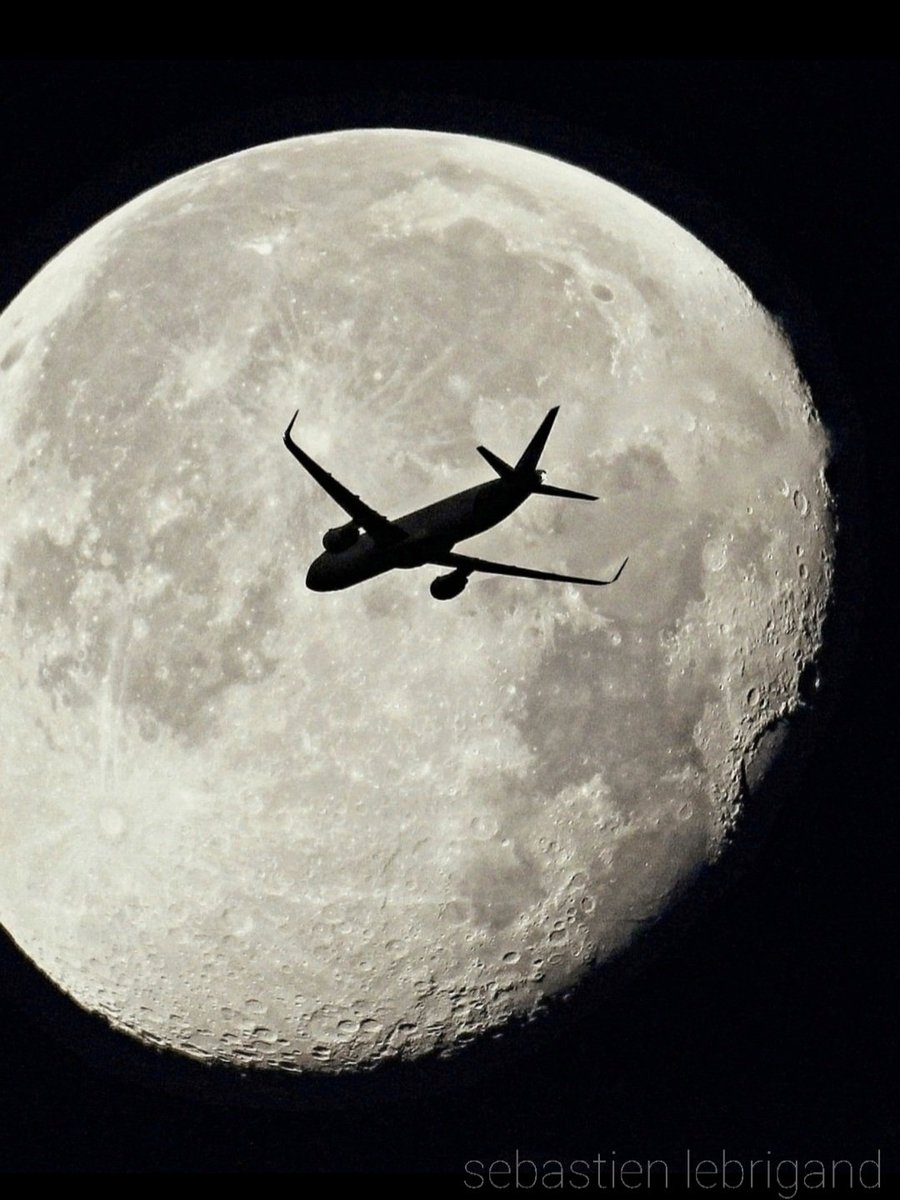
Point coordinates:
[(264, 827)]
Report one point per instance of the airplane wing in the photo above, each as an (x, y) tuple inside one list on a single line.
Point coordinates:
[(463, 562), (381, 530)]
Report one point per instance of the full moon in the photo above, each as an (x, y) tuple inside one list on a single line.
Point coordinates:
[(265, 827)]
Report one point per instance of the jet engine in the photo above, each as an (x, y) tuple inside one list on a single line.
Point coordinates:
[(341, 538), (446, 587)]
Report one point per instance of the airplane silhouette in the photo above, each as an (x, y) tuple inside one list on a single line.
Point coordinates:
[(427, 536)]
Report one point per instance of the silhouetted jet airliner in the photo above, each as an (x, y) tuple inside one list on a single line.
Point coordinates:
[(427, 536)]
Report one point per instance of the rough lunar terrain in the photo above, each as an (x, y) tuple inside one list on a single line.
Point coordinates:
[(316, 832)]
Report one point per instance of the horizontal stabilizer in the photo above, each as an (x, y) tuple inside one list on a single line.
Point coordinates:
[(547, 489), (504, 470)]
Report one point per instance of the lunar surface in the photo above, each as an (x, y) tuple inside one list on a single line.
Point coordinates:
[(263, 826)]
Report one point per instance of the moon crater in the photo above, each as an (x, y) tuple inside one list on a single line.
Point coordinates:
[(265, 827)]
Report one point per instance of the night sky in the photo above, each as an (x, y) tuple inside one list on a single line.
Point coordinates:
[(767, 1026)]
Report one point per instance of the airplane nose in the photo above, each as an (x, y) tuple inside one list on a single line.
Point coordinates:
[(317, 576)]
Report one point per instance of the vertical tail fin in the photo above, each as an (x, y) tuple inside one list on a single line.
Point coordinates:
[(535, 448), (527, 467)]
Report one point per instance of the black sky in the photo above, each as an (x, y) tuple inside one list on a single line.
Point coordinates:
[(770, 1029)]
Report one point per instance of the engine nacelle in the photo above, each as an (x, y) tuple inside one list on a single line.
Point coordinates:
[(341, 538), (446, 587)]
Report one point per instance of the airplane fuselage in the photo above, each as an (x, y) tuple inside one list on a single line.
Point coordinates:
[(370, 544), (425, 532)]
